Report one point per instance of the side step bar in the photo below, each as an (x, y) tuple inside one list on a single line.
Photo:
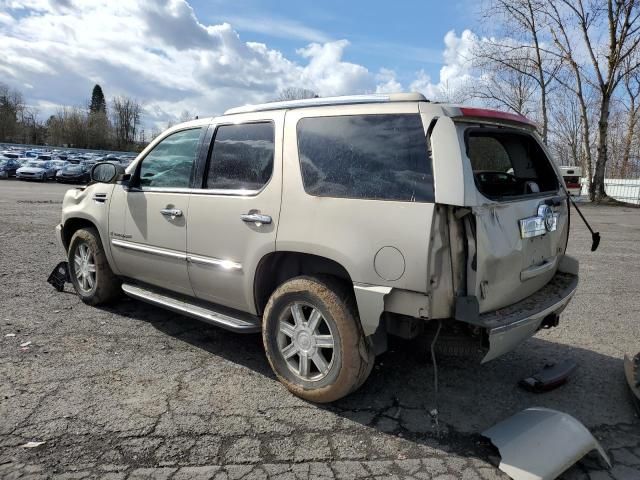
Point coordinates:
[(229, 320)]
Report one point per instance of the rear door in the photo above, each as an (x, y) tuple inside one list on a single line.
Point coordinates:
[(234, 215), (518, 227)]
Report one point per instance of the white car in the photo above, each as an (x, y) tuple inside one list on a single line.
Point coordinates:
[(36, 170)]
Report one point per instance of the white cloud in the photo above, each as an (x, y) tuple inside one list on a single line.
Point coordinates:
[(389, 83), (159, 52)]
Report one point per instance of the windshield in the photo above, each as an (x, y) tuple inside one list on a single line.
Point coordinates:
[(74, 168), (35, 164), (3, 163), (508, 163)]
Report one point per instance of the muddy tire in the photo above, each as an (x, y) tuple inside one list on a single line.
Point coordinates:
[(313, 339), (89, 270)]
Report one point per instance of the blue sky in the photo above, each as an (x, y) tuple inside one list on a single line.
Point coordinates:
[(405, 36), (204, 56)]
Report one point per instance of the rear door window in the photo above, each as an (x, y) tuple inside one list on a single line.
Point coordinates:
[(381, 157), (508, 164), (241, 157)]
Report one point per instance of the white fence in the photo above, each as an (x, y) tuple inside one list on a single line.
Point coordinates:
[(623, 190)]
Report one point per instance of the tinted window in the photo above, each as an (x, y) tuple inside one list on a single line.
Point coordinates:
[(365, 156), (169, 164), (242, 157)]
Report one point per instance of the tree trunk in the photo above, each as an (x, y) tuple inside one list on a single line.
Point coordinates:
[(597, 191)]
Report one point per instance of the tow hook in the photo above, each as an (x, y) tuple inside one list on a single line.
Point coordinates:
[(59, 276)]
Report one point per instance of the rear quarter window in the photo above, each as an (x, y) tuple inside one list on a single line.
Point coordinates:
[(381, 157)]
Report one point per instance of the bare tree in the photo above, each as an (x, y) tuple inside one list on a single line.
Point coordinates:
[(295, 93), (185, 116), (126, 113), (506, 87), (608, 63), (522, 54)]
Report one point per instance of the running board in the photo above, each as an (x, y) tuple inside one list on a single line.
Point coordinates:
[(230, 320)]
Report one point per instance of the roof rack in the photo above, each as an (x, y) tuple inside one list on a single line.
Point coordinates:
[(344, 100)]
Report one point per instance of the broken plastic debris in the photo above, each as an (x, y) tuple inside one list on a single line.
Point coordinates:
[(550, 377), (540, 443), (10, 335), (25, 344), (32, 444)]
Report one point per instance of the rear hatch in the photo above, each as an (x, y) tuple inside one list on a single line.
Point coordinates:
[(518, 223)]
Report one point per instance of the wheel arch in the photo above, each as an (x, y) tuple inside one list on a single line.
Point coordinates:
[(72, 225), (275, 268)]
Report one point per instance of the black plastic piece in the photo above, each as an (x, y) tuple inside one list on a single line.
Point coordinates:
[(550, 377), (59, 276), (467, 309)]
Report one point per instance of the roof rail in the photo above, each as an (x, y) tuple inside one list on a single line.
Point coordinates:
[(343, 100)]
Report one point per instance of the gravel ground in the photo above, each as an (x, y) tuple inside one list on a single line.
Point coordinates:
[(132, 391)]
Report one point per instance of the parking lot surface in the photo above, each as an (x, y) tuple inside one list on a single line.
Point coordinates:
[(132, 391)]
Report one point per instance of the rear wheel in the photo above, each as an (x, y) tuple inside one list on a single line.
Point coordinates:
[(314, 341), (89, 270)]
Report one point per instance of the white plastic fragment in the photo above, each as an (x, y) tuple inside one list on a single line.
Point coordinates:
[(32, 444), (540, 443), (25, 344), (10, 335)]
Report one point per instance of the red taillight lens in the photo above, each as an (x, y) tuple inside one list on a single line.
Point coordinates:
[(495, 114)]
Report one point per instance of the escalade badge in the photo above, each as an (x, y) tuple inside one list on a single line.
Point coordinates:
[(545, 221)]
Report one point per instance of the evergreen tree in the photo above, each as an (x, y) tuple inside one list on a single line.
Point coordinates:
[(98, 103)]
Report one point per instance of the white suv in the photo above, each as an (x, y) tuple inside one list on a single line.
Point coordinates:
[(328, 224)]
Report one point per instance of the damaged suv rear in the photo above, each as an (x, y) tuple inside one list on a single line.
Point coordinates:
[(504, 219)]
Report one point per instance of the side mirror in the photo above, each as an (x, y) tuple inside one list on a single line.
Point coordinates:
[(106, 172)]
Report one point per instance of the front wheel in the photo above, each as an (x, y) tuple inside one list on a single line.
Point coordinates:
[(89, 270), (313, 339)]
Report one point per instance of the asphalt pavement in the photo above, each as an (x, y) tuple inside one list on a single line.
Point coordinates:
[(132, 391)]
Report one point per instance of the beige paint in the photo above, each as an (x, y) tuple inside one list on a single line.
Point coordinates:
[(216, 231)]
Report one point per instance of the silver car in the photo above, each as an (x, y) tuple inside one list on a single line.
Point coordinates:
[(36, 170), (329, 224)]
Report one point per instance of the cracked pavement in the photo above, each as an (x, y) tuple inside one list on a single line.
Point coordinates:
[(132, 391)]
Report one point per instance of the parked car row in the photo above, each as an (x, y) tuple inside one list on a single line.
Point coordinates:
[(62, 166)]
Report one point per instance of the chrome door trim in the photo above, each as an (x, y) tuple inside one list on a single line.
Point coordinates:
[(214, 262), (163, 252)]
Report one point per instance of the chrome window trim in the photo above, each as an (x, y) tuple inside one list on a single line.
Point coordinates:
[(163, 252), (198, 191)]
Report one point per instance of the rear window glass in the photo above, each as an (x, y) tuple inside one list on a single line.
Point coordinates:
[(382, 157), (509, 164)]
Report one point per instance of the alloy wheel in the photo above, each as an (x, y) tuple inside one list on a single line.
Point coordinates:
[(306, 342), (85, 267)]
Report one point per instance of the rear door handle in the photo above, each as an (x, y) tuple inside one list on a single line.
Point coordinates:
[(171, 212), (256, 218)]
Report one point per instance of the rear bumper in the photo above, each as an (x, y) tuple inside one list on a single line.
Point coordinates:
[(509, 326)]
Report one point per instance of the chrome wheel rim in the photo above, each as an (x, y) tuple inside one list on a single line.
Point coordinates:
[(306, 342), (85, 267)]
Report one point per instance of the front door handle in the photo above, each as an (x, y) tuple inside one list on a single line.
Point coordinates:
[(256, 218), (171, 212)]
